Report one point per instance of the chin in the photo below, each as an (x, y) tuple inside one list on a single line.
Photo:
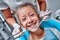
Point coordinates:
[(34, 30), (34, 27)]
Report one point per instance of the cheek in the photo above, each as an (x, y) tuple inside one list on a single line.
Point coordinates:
[(24, 24), (35, 18)]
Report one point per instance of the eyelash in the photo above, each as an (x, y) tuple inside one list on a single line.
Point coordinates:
[(32, 15), (23, 19)]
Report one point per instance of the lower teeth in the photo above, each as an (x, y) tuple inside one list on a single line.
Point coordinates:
[(35, 27)]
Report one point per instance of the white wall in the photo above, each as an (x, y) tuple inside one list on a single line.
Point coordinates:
[(53, 5)]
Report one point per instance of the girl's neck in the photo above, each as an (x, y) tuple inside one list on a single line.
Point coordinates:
[(37, 34)]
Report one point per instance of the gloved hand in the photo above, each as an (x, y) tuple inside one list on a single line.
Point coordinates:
[(17, 30), (45, 14)]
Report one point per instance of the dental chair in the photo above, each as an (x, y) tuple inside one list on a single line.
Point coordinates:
[(5, 29)]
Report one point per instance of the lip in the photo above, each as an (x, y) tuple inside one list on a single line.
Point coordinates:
[(32, 25)]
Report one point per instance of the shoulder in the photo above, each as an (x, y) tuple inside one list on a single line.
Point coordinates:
[(24, 36), (49, 35)]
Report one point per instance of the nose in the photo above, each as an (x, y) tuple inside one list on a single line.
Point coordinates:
[(30, 20)]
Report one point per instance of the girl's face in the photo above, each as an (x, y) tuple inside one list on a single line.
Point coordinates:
[(28, 18)]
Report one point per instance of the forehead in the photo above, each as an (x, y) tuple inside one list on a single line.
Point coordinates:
[(25, 10)]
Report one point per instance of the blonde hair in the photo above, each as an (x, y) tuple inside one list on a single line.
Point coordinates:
[(27, 4)]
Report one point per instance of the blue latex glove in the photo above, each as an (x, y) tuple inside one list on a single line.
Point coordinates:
[(51, 24)]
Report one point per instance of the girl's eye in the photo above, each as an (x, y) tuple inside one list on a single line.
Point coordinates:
[(32, 15), (23, 19)]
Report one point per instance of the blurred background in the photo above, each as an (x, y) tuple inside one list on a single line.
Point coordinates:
[(53, 5), (5, 30)]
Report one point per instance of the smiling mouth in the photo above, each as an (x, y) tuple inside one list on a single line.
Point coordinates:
[(33, 25)]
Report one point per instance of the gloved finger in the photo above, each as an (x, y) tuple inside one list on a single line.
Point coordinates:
[(19, 34), (48, 13), (47, 10), (15, 31), (46, 18)]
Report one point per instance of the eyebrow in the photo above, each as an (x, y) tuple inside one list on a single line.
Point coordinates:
[(31, 12), (28, 14), (23, 16)]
